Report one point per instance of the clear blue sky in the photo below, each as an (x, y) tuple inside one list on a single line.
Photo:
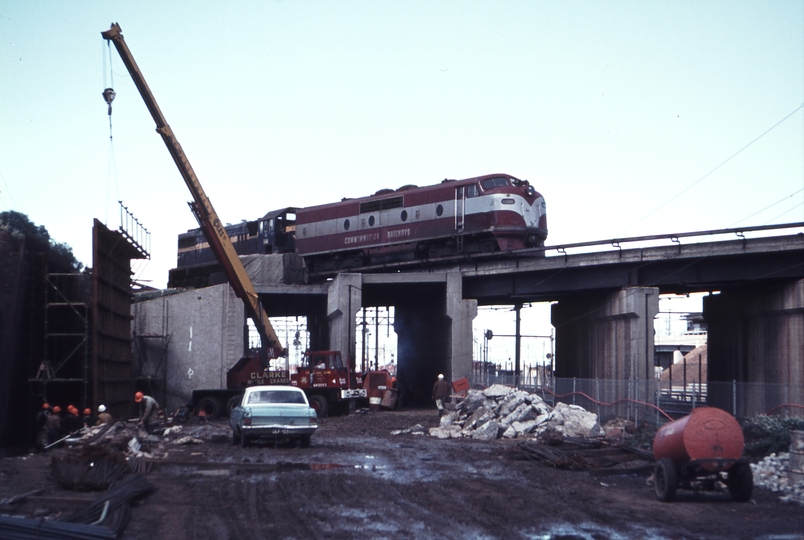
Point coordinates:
[(610, 108)]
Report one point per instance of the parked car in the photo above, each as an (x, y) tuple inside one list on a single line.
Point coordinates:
[(275, 412)]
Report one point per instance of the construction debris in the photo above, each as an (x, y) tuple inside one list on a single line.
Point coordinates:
[(597, 456), (771, 473), (501, 411)]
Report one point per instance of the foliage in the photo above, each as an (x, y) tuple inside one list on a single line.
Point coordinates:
[(19, 223), (765, 435)]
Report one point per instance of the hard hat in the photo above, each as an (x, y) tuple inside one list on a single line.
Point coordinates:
[(393, 379), (87, 411), (440, 376), (138, 397), (101, 408), (57, 409), (45, 405)]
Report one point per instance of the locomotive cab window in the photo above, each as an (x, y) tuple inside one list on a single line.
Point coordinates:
[(472, 191), (491, 183)]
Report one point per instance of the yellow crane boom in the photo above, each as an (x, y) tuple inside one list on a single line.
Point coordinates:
[(207, 218)]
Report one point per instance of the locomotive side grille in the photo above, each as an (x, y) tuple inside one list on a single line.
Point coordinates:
[(382, 204)]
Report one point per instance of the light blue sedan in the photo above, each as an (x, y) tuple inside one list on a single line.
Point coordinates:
[(275, 412)]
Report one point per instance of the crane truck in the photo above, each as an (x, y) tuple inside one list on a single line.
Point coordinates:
[(323, 375)]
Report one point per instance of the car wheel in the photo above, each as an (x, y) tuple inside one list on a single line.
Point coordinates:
[(211, 407), (244, 442), (236, 437), (665, 480), (305, 441), (319, 403), (740, 482)]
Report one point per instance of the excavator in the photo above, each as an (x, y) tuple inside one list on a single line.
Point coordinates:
[(324, 386)]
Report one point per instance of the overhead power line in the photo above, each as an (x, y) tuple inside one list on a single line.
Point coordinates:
[(680, 193)]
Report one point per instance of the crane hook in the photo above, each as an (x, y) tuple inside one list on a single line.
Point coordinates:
[(108, 95)]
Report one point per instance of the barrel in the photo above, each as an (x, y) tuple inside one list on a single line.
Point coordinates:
[(795, 467), (706, 433)]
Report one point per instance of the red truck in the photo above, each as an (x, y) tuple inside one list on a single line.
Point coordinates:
[(325, 378)]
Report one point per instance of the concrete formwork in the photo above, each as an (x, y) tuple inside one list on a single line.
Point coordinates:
[(203, 330), (756, 348), (608, 337)]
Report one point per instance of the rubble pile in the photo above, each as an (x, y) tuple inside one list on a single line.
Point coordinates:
[(501, 411), (771, 473)]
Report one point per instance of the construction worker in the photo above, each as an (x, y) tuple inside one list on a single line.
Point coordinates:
[(88, 419), (53, 425), (41, 428), (148, 410), (103, 416), (71, 421), (441, 391)]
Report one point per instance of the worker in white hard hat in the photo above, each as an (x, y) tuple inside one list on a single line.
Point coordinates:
[(441, 391), (103, 416)]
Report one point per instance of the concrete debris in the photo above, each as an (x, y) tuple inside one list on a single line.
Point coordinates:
[(188, 440), (134, 446), (501, 411), (418, 429), (771, 473)]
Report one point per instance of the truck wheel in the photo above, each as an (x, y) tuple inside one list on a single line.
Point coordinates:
[(665, 480), (234, 401), (304, 442), (236, 437), (740, 482), (319, 403), (211, 407)]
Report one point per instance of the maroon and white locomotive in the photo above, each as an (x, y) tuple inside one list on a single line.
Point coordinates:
[(485, 214)]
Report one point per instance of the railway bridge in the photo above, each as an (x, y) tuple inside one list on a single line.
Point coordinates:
[(605, 296), (605, 302)]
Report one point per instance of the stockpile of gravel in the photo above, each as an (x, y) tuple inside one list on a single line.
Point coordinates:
[(771, 473), (501, 411)]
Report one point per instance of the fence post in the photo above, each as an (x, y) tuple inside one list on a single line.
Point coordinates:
[(597, 396), (734, 397), (573, 390)]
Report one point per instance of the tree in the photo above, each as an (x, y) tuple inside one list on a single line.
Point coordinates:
[(17, 222)]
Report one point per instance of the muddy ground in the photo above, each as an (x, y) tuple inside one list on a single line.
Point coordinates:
[(359, 481)]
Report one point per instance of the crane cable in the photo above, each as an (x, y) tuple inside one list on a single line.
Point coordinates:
[(108, 96)]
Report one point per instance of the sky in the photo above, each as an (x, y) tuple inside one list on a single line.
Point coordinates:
[(630, 117)]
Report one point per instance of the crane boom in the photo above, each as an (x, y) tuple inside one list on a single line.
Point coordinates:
[(207, 218)]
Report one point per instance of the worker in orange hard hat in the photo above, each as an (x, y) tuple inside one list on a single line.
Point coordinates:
[(89, 419), (148, 410), (53, 425), (41, 430), (71, 421)]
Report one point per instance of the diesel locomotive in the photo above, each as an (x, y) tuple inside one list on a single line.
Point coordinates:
[(485, 214)]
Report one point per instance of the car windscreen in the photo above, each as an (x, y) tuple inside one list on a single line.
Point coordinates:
[(276, 396)]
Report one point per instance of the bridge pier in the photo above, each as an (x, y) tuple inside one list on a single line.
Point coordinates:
[(344, 300), (608, 337), (756, 348)]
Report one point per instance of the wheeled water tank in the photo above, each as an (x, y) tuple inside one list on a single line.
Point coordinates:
[(706, 433)]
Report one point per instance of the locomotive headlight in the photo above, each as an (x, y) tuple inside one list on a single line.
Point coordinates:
[(529, 191)]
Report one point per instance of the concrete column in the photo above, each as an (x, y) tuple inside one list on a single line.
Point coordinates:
[(608, 339), (756, 339), (344, 300), (460, 313)]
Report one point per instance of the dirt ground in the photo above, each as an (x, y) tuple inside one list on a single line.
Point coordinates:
[(359, 481)]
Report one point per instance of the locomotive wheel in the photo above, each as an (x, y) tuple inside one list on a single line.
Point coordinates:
[(319, 403), (740, 482), (665, 480)]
